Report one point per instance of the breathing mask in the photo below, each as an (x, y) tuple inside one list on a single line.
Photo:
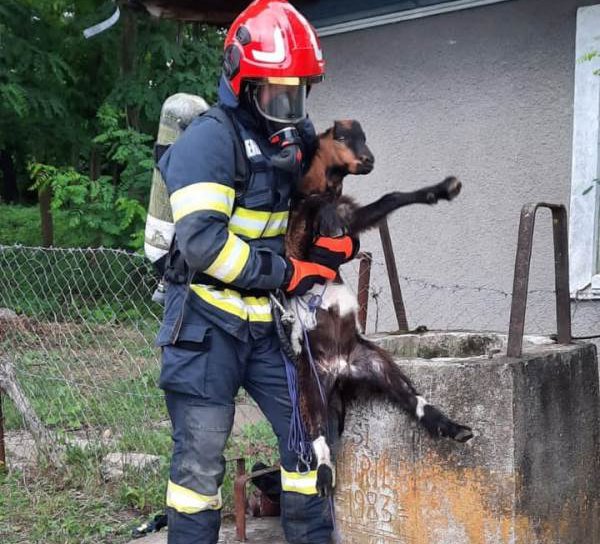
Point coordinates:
[(280, 105)]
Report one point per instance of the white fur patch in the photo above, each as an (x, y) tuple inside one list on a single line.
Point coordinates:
[(337, 294), (333, 294), (336, 366), (421, 403), (321, 450)]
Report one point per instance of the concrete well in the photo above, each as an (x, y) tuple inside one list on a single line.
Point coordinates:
[(531, 475)]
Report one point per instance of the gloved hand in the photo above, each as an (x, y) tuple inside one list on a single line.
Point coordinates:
[(302, 275), (333, 252)]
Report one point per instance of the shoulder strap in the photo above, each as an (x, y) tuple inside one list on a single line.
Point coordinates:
[(241, 164)]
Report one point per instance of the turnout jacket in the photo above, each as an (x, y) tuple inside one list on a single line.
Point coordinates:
[(233, 237)]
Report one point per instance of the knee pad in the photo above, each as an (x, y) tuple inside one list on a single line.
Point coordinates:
[(198, 463)]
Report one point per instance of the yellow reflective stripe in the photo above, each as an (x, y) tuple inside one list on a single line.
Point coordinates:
[(277, 224), (202, 196), (231, 259), (188, 501), (258, 224), (226, 299), (306, 484), (259, 309), (254, 309), (249, 223)]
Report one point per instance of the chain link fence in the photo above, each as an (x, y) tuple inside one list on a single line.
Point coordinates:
[(78, 326)]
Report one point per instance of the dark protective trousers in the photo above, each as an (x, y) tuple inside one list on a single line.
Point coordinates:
[(202, 423)]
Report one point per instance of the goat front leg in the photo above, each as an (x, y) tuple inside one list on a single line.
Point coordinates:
[(372, 369), (368, 216)]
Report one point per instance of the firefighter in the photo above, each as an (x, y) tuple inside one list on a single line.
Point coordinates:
[(217, 333)]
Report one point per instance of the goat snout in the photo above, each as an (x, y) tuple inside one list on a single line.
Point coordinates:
[(366, 164)]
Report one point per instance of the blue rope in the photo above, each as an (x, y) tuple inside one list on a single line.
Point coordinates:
[(297, 425), (298, 441), (297, 438)]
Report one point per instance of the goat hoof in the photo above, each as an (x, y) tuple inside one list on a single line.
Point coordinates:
[(438, 424), (464, 434), (324, 480), (451, 187), (460, 433)]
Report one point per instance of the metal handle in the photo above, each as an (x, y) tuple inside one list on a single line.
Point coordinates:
[(521, 279)]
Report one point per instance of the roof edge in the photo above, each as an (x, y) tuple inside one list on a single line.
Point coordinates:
[(398, 16)]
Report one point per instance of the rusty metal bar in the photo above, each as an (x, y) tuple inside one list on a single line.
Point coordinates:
[(364, 280), (521, 278), (2, 448), (390, 263), (239, 494)]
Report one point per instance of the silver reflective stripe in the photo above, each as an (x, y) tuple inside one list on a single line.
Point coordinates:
[(101, 27), (157, 237), (259, 309)]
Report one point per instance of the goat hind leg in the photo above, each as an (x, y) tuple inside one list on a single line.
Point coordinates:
[(314, 416), (373, 368)]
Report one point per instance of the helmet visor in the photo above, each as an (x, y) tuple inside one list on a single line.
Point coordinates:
[(281, 103)]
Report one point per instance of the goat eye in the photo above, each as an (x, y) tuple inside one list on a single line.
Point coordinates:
[(341, 138)]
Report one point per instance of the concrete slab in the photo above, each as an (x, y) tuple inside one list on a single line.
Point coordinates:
[(259, 531)]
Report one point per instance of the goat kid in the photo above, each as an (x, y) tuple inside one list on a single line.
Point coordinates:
[(346, 362)]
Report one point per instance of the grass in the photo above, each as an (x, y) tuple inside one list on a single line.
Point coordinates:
[(89, 381), (75, 505), (22, 225)]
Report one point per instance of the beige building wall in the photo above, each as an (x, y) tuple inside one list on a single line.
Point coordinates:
[(486, 94)]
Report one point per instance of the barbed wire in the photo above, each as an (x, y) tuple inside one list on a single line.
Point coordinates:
[(80, 324)]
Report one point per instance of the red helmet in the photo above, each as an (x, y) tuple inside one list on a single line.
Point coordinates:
[(271, 42)]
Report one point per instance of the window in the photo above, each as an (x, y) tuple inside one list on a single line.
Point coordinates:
[(584, 235), (335, 17)]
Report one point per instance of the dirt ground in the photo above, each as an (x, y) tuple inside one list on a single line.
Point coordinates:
[(259, 531)]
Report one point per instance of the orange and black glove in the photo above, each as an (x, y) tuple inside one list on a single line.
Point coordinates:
[(333, 252), (302, 275)]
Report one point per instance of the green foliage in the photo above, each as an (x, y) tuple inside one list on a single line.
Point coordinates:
[(129, 149), (68, 104), (190, 63), (36, 78), (590, 56), (93, 205)]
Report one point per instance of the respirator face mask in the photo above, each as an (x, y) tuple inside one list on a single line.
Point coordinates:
[(282, 106)]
